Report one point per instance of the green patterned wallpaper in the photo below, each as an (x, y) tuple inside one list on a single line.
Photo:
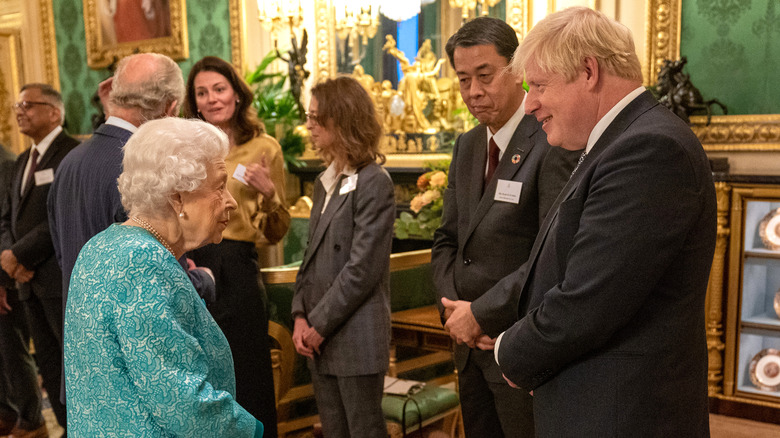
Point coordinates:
[(209, 34), (733, 50)]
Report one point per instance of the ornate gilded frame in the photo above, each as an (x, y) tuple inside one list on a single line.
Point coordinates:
[(237, 34), (100, 54), (11, 76), (759, 132)]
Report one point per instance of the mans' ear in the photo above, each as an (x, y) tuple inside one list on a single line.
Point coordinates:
[(172, 110), (591, 69)]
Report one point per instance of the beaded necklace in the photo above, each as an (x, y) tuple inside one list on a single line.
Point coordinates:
[(146, 226)]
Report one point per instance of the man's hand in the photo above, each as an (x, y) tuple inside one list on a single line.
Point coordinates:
[(4, 307), (191, 266), (22, 274), (485, 342), (300, 329), (313, 339), (8, 262), (461, 325)]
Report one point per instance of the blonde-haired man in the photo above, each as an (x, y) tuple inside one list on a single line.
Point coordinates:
[(611, 332)]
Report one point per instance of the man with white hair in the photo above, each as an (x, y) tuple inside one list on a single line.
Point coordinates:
[(26, 254), (84, 199), (611, 336)]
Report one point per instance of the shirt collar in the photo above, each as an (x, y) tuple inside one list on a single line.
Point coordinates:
[(330, 177), (609, 117), (121, 123), (43, 146), (504, 135)]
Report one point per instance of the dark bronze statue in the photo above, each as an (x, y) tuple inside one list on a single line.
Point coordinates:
[(296, 61), (675, 91)]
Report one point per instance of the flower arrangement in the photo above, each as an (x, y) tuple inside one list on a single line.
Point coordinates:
[(426, 205)]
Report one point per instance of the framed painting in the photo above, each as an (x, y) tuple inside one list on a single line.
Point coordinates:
[(117, 28), (732, 51)]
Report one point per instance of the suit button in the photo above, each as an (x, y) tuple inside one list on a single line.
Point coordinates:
[(337, 247), (466, 262)]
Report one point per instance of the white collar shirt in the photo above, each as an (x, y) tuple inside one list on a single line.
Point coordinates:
[(329, 179), (41, 147)]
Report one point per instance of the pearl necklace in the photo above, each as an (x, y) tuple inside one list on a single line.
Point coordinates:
[(146, 226)]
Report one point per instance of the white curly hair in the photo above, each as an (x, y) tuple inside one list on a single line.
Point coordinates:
[(164, 157)]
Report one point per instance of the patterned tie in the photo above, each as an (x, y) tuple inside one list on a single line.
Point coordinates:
[(33, 167), (582, 158), (492, 160)]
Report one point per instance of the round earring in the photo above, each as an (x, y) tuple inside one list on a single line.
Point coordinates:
[(238, 100), (181, 214)]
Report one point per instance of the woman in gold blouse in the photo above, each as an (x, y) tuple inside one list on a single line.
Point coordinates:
[(216, 94)]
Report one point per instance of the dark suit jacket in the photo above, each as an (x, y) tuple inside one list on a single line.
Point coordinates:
[(343, 284), (84, 199), (6, 177), (25, 227), (614, 342), (482, 240)]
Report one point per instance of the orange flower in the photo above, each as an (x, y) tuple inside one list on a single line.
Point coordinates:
[(423, 181)]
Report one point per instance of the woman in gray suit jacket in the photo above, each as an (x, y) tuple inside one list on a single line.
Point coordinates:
[(341, 306)]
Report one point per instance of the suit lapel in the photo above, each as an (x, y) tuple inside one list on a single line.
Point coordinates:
[(323, 220), (514, 156), (478, 163), (51, 152), (624, 119)]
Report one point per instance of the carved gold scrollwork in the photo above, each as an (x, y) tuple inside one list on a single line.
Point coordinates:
[(743, 133), (237, 34), (715, 288), (663, 35)]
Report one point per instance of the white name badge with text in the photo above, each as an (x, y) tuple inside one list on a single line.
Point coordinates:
[(508, 191), (349, 184), (43, 177)]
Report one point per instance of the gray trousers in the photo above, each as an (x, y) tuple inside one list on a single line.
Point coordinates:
[(20, 397), (350, 406)]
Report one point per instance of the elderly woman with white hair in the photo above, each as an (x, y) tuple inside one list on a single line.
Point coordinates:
[(143, 356)]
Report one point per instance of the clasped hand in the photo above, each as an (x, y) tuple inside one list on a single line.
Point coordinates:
[(463, 327), (13, 268), (306, 339)]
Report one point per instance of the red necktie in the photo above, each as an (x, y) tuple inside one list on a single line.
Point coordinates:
[(492, 160), (31, 172)]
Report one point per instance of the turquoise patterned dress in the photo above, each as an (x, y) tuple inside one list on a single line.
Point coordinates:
[(143, 356)]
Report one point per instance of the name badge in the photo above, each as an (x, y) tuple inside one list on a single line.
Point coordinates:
[(508, 191), (43, 177), (239, 173), (348, 184)]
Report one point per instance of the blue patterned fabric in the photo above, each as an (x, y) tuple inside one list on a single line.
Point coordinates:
[(143, 356)]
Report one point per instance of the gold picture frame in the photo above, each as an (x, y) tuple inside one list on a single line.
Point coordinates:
[(161, 29), (742, 133), (10, 82)]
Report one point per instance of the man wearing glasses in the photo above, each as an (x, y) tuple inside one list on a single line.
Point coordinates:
[(26, 253)]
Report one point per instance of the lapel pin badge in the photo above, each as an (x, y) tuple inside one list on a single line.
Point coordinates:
[(515, 158)]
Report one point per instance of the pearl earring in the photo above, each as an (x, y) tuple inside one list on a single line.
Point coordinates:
[(181, 214)]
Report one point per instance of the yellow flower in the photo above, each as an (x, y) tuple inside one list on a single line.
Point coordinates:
[(438, 179)]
